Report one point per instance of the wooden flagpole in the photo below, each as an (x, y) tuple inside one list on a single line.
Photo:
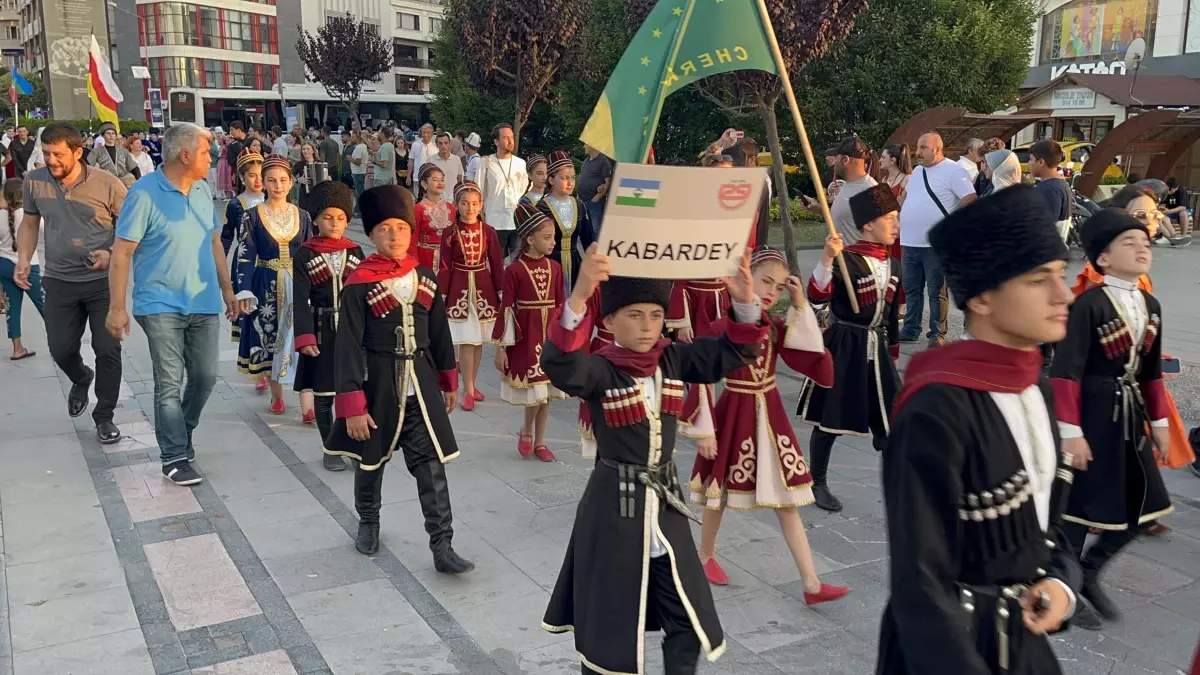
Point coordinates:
[(808, 153)]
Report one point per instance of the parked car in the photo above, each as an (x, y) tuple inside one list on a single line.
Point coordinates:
[(1076, 156)]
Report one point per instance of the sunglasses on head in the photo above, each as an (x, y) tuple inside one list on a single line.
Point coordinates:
[(1143, 214)]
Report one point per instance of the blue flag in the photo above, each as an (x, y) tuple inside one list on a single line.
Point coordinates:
[(22, 84)]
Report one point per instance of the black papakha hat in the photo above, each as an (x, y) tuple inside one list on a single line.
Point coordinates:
[(874, 202), (619, 292), (1103, 227), (994, 239), (331, 194), (383, 202)]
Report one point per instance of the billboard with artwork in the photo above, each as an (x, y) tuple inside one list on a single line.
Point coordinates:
[(1096, 30), (69, 25)]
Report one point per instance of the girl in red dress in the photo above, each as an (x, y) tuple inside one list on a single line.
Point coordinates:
[(533, 289), (433, 215), (470, 274), (752, 460)]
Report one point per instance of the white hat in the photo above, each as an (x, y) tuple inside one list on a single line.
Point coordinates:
[(472, 140)]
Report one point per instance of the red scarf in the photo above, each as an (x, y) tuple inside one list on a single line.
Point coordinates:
[(869, 249), (971, 364), (378, 268), (323, 244), (635, 364)]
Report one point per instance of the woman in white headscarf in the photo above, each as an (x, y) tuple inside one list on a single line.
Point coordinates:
[(1003, 167), (36, 159)]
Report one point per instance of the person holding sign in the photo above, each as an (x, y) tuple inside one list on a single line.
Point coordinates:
[(532, 290), (753, 459), (574, 227), (471, 272), (864, 343), (632, 566)]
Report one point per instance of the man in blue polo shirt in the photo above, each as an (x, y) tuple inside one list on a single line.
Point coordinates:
[(168, 232)]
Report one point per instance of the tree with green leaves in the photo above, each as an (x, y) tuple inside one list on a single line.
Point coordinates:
[(26, 102), (906, 56), (343, 56)]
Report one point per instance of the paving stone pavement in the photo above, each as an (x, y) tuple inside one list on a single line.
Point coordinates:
[(106, 569)]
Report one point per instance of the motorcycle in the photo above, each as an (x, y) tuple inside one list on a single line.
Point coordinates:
[(1082, 208)]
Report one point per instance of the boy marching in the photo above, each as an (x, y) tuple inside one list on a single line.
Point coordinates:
[(631, 566), (323, 264), (864, 344), (1107, 376), (974, 484), (396, 377)]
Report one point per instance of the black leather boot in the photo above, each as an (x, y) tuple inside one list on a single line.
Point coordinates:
[(433, 491), (681, 652), (820, 448), (1107, 545), (323, 407), (368, 497)]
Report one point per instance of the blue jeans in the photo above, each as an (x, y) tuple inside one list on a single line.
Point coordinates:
[(16, 294), (360, 185), (595, 211), (181, 344), (922, 271)]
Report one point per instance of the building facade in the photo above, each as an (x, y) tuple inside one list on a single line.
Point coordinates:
[(12, 51)]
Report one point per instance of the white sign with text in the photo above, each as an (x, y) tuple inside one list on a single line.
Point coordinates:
[(676, 222), (1073, 98)]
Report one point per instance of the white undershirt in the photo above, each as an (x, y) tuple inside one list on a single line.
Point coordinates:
[(742, 313), (822, 276)]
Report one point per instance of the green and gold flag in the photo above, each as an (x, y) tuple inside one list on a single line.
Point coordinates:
[(681, 41)]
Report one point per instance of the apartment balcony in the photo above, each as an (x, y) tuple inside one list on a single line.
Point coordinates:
[(405, 62)]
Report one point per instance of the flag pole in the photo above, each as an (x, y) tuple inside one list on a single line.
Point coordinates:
[(808, 153)]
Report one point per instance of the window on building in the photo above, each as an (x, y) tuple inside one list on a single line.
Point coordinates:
[(264, 32), (210, 27), (1086, 31), (432, 60), (241, 75), (435, 25), (214, 74), (238, 35), (405, 55), (407, 84), (408, 21)]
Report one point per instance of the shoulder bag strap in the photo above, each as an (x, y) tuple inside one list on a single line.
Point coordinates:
[(925, 177)]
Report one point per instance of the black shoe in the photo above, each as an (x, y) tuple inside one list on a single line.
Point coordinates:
[(910, 339), (935, 342), (1086, 618), (449, 562), (367, 542), (77, 400), (182, 473), (333, 462), (108, 433), (1095, 595), (825, 499)]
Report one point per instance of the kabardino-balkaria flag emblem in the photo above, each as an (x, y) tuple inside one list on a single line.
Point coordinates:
[(637, 192)]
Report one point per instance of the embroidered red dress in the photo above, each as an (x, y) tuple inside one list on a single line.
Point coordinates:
[(432, 220), (470, 273), (601, 337), (698, 304), (532, 290), (759, 463)]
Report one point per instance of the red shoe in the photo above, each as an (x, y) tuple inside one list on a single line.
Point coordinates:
[(828, 593), (543, 453), (468, 403), (277, 407), (716, 576), (261, 385), (309, 416), (478, 395), (524, 444)]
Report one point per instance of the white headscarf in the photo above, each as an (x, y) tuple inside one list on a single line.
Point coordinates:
[(1006, 169), (36, 158)]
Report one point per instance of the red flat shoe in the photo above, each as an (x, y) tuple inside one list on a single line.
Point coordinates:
[(277, 407), (828, 593), (716, 576), (478, 395), (468, 403), (261, 385), (309, 416), (524, 444), (543, 453)]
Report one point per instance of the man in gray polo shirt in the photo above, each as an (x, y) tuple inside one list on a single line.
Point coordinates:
[(79, 206)]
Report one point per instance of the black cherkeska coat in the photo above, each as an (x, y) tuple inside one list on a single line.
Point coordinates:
[(317, 287)]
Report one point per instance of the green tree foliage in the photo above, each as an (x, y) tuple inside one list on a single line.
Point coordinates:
[(38, 99), (905, 56), (343, 56)]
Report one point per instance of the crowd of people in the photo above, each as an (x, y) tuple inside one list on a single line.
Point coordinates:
[(993, 474)]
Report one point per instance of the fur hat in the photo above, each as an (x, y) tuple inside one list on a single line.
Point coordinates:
[(330, 194), (559, 159), (1103, 227), (383, 202), (107, 126), (994, 239), (528, 218), (874, 202), (464, 186), (619, 292)]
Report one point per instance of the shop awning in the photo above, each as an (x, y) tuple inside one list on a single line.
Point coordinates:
[(1153, 140), (957, 126)]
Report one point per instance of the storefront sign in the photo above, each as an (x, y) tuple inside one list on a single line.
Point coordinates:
[(1098, 68), (670, 222), (1075, 98)]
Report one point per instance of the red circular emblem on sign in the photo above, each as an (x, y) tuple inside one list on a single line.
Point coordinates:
[(733, 195)]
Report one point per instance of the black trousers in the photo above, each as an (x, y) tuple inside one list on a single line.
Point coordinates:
[(1107, 545), (681, 645), (69, 308), (820, 444)]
